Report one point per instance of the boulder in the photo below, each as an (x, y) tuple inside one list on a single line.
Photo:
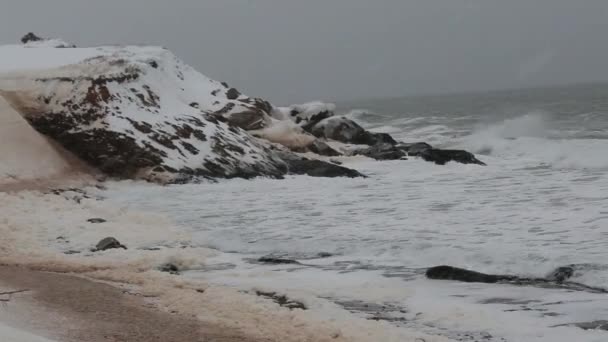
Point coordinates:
[(454, 273), (96, 220), (347, 131), (438, 156), (321, 148), (319, 168), (248, 120), (108, 243), (382, 151), (232, 94)]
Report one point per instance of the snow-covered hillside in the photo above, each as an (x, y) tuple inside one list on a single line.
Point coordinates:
[(139, 112)]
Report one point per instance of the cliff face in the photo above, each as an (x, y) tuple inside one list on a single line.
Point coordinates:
[(139, 112)]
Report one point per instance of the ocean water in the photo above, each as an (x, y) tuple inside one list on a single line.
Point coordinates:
[(542, 202)]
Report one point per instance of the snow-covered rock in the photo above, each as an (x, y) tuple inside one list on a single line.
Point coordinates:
[(139, 112)]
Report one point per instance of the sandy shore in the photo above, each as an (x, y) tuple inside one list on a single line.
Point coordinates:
[(67, 308)]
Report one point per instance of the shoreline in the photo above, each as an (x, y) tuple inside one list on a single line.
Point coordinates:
[(67, 308)]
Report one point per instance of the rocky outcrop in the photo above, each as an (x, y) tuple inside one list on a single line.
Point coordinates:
[(139, 112), (382, 151), (347, 131)]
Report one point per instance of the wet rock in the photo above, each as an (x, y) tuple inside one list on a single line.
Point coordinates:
[(282, 300), (347, 131), (454, 273), (277, 261), (96, 220), (321, 148), (561, 274), (30, 37), (318, 168), (382, 151), (594, 325), (324, 255), (169, 268), (438, 156), (108, 243)]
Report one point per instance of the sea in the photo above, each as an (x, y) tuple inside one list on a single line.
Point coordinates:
[(363, 245)]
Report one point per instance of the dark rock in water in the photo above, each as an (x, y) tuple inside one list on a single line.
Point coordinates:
[(318, 168), (460, 274), (232, 94), (348, 131), (322, 149), (108, 243), (594, 325), (561, 274), (556, 279), (324, 255), (382, 151), (30, 37), (96, 220), (71, 251), (438, 156), (277, 261), (169, 268), (337, 162), (282, 300)]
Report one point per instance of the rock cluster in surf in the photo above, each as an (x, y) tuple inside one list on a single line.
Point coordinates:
[(141, 113)]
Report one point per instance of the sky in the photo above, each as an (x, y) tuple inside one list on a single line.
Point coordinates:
[(290, 51)]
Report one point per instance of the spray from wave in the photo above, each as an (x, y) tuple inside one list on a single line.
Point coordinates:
[(533, 138)]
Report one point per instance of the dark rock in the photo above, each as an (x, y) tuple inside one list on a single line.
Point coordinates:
[(454, 273), (556, 279), (321, 148), (30, 37), (594, 325), (382, 151), (337, 162), (348, 131), (108, 243), (232, 94), (169, 268), (324, 255), (313, 119), (96, 220), (277, 261), (248, 120), (318, 168), (561, 274), (282, 300), (438, 156), (71, 252)]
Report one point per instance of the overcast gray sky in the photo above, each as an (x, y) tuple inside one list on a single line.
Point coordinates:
[(299, 50)]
